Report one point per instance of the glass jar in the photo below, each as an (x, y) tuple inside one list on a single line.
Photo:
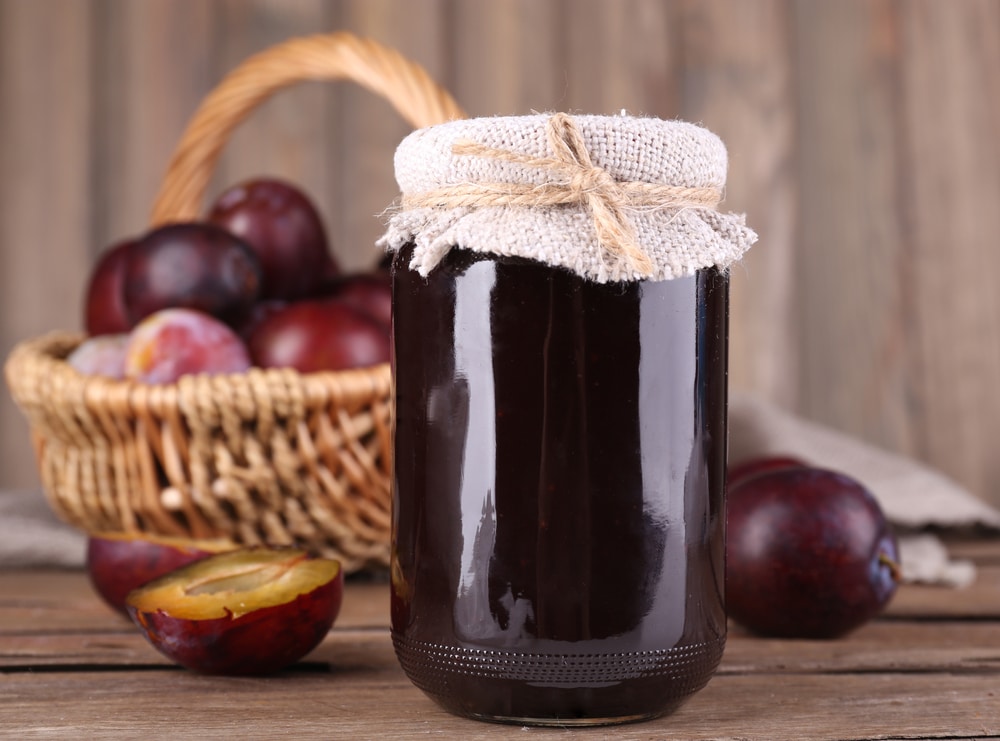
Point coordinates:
[(559, 462), (560, 309)]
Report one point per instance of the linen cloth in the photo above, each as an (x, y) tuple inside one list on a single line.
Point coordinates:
[(482, 183)]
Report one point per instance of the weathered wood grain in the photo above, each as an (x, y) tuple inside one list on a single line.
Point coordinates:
[(66, 601), (47, 168), (617, 56), (125, 650), (886, 646), (365, 130), (56, 617), (951, 113), (852, 296), (862, 142), (154, 64), (982, 551), (89, 674), (981, 600), (505, 56), (735, 69), (347, 704)]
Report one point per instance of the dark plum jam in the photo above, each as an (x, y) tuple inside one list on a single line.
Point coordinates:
[(559, 528)]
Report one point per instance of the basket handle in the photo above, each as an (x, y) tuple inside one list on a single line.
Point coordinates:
[(341, 55)]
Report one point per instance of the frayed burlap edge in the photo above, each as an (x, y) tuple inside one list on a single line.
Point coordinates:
[(678, 243)]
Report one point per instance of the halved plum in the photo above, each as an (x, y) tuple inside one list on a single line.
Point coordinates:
[(117, 563), (249, 611)]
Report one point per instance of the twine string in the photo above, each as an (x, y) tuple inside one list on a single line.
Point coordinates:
[(575, 180)]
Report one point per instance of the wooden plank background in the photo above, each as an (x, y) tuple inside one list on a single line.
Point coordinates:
[(863, 139)]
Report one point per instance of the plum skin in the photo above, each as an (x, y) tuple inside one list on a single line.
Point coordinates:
[(192, 265), (104, 304), (116, 565), (809, 554), (262, 641), (317, 335), (368, 293), (171, 343), (101, 355), (282, 226), (762, 464)]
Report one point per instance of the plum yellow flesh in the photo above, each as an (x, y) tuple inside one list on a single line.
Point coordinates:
[(117, 563)]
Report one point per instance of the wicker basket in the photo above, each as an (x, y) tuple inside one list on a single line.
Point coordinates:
[(268, 456)]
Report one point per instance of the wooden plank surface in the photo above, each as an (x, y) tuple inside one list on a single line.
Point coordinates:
[(862, 141), (71, 668), (65, 602), (104, 705), (983, 602), (883, 647)]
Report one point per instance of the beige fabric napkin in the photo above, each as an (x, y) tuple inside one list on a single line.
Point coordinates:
[(32, 536), (913, 496)]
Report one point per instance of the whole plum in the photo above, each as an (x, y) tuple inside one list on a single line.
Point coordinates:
[(369, 293), (175, 342), (103, 355), (317, 335), (758, 465), (809, 554), (193, 266), (260, 311), (284, 229), (104, 303)]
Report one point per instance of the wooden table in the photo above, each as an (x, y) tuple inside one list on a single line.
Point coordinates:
[(70, 668)]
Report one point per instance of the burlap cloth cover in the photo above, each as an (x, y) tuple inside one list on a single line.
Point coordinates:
[(611, 198)]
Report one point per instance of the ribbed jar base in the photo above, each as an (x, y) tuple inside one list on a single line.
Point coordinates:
[(566, 689)]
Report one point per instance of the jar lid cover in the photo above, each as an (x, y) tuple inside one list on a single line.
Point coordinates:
[(611, 198)]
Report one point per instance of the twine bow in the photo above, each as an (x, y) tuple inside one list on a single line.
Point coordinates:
[(576, 180)]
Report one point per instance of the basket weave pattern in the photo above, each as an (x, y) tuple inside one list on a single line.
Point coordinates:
[(269, 456)]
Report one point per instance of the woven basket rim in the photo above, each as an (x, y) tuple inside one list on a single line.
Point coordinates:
[(102, 475), (52, 348)]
